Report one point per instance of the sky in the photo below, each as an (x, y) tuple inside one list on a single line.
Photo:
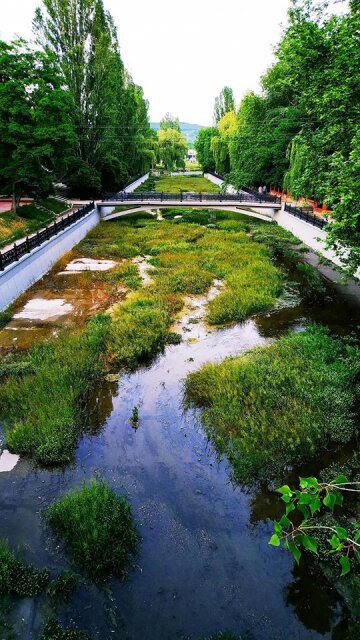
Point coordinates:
[(183, 52)]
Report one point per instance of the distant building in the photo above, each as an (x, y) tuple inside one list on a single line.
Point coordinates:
[(191, 155)]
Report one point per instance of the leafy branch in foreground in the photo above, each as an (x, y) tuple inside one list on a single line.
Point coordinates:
[(304, 504)]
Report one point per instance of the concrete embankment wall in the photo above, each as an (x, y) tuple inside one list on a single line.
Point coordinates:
[(131, 187), (20, 275), (309, 235), (219, 182)]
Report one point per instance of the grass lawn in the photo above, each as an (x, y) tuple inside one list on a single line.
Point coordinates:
[(28, 219), (174, 184), (278, 405)]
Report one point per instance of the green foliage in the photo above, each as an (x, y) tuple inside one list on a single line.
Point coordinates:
[(302, 132), (301, 519), (267, 408), (105, 101), (169, 122), (35, 125), (171, 149), (54, 631), (46, 424), (97, 529), (224, 103), (17, 578), (203, 148)]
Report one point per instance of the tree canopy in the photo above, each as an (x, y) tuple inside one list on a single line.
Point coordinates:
[(36, 131), (301, 133)]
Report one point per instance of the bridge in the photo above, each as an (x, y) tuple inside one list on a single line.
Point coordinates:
[(259, 204)]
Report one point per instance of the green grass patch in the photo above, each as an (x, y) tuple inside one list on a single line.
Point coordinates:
[(17, 578), (54, 205), (174, 184), (97, 529), (42, 411), (278, 405), (27, 220)]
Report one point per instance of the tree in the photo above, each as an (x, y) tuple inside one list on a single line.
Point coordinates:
[(36, 133), (172, 148), (109, 110), (170, 122), (224, 102), (202, 146)]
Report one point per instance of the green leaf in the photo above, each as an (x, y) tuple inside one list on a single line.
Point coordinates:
[(277, 527), (289, 507), (296, 553), (339, 498), (309, 483), (335, 542), (341, 479), (315, 505), (329, 501), (285, 490), (305, 511), (305, 498), (275, 540), (310, 544), (342, 533), (345, 565), (285, 522)]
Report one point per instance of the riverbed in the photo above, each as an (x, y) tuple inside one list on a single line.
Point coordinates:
[(204, 563)]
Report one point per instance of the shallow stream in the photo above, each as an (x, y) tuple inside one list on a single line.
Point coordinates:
[(204, 563)]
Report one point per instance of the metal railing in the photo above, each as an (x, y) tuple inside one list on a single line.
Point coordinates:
[(306, 216), (185, 196), (264, 197), (31, 242)]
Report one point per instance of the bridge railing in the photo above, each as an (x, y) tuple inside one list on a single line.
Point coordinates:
[(306, 216), (31, 242), (266, 197), (184, 196)]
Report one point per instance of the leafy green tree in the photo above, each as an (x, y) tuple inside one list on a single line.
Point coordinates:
[(202, 146), (109, 111), (170, 122), (172, 148), (224, 102), (36, 131)]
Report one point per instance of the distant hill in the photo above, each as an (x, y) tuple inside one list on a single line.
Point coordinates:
[(188, 130)]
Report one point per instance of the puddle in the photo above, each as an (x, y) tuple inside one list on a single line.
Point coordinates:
[(44, 309), (87, 264), (190, 323), (144, 266), (8, 461)]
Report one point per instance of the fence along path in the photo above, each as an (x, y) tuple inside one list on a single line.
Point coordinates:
[(25, 246)]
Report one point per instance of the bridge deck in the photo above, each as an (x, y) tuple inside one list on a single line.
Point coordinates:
[(176, 202)]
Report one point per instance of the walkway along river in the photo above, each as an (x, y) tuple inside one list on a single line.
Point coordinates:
[(204, 562)]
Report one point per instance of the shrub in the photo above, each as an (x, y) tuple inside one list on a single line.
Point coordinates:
[(277, 405), (96, 526)]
